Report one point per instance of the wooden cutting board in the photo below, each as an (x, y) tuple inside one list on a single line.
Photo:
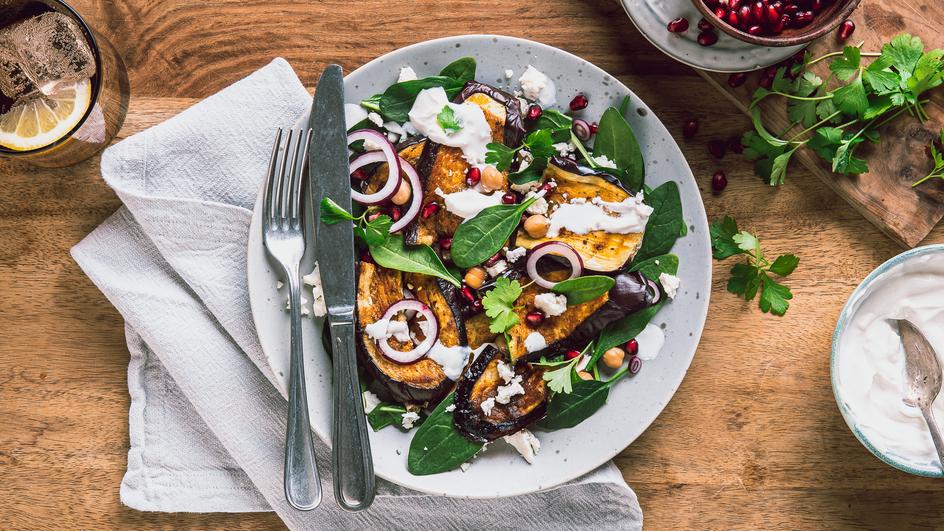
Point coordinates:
[(884, 195)]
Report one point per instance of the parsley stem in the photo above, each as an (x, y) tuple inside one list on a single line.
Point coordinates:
[(619, 375), (583, 150), (837, 54), (814, 126), (802, 98), (925, 179)]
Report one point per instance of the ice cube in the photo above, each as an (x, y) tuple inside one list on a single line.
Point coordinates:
[(43, 52)]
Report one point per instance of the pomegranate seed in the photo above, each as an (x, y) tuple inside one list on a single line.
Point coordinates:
[(734, 4), (472, 176), (678, 25), (772, 15), (632, 347), (845, 30), (571, 354), (803, 18), (374, 215), (546, 188), (777, 27), (578, 103), (817, 6), (445, 242), (707, 38), (395, 213), (635, 364), (534, 112), (534, 318), (492, 259), (594, 127), (704, 25), (430, 209), (509, 199), (467, 294), (757, 10), (690, 128), (745, 15), (791, 9), (734, 145), (732, 18), (359, 174), (717, 148), (737, 79), (719, 181), (720, 13), (755, 30)]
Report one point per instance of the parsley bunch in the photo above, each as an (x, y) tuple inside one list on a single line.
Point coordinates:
[(839, 113), (752, 276)]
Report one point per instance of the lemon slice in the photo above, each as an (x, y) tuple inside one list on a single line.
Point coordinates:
[(40, 122)]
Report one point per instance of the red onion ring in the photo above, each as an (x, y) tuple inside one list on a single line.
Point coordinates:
[(657, 292), (558, 249), (388, 154), (416, 200), (420, 350)]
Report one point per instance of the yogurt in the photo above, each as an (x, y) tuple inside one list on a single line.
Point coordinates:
[(869, 370)]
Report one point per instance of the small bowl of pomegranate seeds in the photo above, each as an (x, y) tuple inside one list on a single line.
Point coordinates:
[(776, 22)]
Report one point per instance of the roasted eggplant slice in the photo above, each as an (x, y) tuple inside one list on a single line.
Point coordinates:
[(480, 383), (420, 381), (442, 167), (599, 250), (442, 299)]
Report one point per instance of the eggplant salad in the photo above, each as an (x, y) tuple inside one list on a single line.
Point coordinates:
[(511, 257)]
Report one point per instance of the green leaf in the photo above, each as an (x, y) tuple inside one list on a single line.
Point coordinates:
[(376, 231), (665, 225), (825, 109), (530, 173), (623, 330), (582, 289), (784, 264), (331, 212), (554, 120), (851, 98), (561, 379), (616, 141), (499, 304), (878, 106), (655, 266), (782, 83), (808, 83), (744, 281), (748, 242), (778, 171), (480, 237), (397, 100), (927, 73), (774, 296), (437, 445), (848, 65), (722, 238), (802, 111), (499, 155), (881, 81), (756, 148), (462, 69), (569, 410), (386, 415), (541, 144), (825, 141), (845, 162), (903, 53), (762, 131), (392, 253), (448, 121)]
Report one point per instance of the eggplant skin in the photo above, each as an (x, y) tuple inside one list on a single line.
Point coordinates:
[(480, 382), (514, 121)]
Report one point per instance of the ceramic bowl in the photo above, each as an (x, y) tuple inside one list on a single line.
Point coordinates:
[(823, 22)]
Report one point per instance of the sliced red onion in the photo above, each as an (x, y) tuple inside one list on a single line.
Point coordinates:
[(420, 350), (558, 249), (416, 200), (657, 293), (388, 154)]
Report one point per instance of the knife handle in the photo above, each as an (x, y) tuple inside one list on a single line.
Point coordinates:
[(354, 483)]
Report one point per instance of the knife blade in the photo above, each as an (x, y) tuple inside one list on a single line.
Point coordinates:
[(329, 172)]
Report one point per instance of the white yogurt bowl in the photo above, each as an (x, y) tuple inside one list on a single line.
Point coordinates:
[(868, 360)]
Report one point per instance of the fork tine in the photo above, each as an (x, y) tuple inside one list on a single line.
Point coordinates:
[(298, 178), (281, 190), (270, 178)]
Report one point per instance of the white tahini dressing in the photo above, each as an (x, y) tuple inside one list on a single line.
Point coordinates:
[(650, 340), (451, 359), (471, 138), (469, 202), (871, 359), (581, 217)]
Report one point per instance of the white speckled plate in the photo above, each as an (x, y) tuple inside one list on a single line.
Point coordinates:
[(727, 55), (635, 402)]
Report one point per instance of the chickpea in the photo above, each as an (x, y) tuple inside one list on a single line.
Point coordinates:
[(492, 179), (584, 375), (536, 226), (402, 195), (475, 277), (613, 358)]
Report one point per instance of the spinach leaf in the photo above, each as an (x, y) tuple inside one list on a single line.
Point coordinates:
[(568, 410), (533, 172), (386, 415), (615, 140), (437, 445), (623, 330), (583, 289), (478, 238), (462, 69), (397, 100), (655, 266), (665, 224), (392, 253), (557, 123)]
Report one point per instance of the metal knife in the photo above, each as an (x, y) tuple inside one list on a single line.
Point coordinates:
[(922, 378), (354, 483)]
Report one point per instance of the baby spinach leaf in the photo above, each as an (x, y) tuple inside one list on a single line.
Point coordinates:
[(392, 253), (583, 289), (569, 410), (625, 329), (385, 415), (478, 238), (665, 225), (557, 123), (437, 445), (655, 266), (462, 69), (532, 172), (397, 100), (616, 141)]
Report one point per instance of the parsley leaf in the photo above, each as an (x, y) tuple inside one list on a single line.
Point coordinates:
[(448, 121), (848, 65), (774, 296), (722, 238), (499, 305), (331, 212), (499, 155), (851, 98), (903, 53), (784, 264)]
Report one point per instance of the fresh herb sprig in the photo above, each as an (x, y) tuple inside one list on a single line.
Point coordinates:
[(561, 379), (539, 143), (938, 171), (754, 275), (499, 305), (448, 121), (841, 112)]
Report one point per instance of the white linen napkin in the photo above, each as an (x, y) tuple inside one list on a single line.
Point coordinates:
[(207, 422)]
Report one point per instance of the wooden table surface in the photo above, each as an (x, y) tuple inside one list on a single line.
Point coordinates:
[(752, 439)]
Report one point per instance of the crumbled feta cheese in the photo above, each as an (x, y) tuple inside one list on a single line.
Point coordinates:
[(538, 87), (409, 418), (371, 401), (278, 284), (406, 74), (497, 268), (313, 280), (670, 283), (393, 138), (375, 119), (487, 405), (384, 329), (465, 466), (304, 304), (526, 187), (509, 73), (506, 392), (506, 371), (551, 304), (602, 160), (526, 443), (515, 254), (409, 129), (370, 145), (450, 408), (564, 148), (534, 342), (539, 206)]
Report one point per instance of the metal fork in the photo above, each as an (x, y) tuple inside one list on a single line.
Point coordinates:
[(283, 233)]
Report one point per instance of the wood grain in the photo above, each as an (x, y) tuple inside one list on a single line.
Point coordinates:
[(751, 440), (883, 195)]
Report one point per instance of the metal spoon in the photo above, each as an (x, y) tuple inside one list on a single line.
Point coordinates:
[(923, 378)]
